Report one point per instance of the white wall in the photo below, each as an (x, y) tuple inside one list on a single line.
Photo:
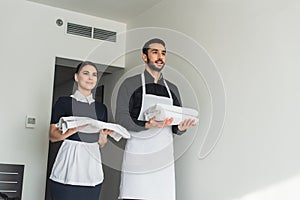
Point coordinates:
[(255, 45), (30, 40)]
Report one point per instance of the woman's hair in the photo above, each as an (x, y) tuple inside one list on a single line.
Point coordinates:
[(84, 63)]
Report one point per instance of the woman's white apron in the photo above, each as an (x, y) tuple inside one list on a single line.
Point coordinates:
[(78, 163)]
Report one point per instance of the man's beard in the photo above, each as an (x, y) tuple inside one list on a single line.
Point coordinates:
[(153, 67)]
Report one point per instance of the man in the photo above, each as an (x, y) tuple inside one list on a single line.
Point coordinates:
[(148, 163)]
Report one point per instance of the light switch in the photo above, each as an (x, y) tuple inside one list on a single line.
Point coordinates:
[(30, 121)]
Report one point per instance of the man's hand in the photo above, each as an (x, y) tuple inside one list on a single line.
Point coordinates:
[(186, 124), (152, 123)]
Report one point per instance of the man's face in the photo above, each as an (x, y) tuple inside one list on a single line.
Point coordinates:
[(156, 57)]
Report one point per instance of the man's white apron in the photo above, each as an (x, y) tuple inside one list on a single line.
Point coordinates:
[(148, 162)]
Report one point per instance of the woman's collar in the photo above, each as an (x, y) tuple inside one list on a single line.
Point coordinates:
[(80, 97)]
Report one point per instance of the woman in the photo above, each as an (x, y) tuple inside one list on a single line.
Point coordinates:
[(77, 172)]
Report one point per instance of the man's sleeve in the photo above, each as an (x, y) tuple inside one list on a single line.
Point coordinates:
[(122, 109), (176, 102)]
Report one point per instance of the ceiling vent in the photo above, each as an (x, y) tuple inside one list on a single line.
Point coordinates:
[(101, 34), (80, 30), (91, 32)]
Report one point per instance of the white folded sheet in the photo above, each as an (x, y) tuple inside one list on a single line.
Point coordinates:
[(163, 111), (93, 126)]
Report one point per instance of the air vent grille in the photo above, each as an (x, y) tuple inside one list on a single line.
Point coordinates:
[(101, 34), (76, 29), (91, 32)]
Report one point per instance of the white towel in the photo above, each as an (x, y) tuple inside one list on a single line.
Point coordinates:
[(93, 126), (163, 111)]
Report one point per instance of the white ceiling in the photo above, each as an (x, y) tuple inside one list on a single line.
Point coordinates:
[(118, 10)]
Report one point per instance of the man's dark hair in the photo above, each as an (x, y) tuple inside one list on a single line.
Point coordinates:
[(154, 40)]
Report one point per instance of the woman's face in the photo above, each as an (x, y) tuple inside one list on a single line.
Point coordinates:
[(86, 78)]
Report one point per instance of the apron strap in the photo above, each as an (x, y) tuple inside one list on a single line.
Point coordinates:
[(169, 91), (144, 86)]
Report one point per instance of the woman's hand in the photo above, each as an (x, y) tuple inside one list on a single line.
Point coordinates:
[(56, 135), (103, 137)]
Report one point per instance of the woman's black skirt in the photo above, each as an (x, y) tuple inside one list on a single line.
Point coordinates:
[(61, 191)]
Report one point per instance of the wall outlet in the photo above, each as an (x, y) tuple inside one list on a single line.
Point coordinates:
[(30, 121)]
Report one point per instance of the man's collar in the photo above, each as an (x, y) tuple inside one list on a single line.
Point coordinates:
[(150, 78)]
